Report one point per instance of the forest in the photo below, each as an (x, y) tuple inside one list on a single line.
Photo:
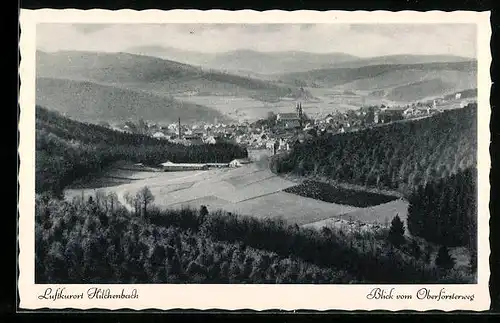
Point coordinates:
[(94, 239), (67, 150), (399, 156), (445, 211), (431, 161), (331, 194)]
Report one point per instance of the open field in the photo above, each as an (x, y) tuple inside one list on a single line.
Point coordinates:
[(379, 215), (250, 190), (325, 101), (244, 108)]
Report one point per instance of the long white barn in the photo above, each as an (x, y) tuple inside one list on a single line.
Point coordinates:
[(170, 166)]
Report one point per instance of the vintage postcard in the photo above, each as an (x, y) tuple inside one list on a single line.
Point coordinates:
[(254, 160)]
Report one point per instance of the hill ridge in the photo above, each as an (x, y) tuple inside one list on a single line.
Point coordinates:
[(94, 102)]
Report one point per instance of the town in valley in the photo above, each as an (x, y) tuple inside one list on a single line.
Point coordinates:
[(231, 154)]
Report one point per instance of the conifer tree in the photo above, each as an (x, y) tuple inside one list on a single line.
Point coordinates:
[(396, 232), (415, 249), (444, 260)]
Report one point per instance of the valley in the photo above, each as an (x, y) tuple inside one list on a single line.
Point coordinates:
[(111, 86), (329, 165)]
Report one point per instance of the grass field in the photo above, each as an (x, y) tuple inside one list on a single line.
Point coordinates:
[(244, 108), (379, 215), (249, 190)]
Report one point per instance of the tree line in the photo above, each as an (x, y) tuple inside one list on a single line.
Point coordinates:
[(67, 150), (91, 241), (400, 156), (95, 240)]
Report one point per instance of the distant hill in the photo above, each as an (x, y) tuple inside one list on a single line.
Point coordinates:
[(249, 61), (399, 156), (159, 76), (403, 59), (399, 82), (421, 90), (174, 54), (92, 102), (255, 63)]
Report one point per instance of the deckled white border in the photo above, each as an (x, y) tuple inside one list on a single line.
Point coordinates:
[(234, 297)]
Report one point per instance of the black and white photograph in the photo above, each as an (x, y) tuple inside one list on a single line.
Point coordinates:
[(257, 153)]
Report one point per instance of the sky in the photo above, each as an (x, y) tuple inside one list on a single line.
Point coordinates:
[(363, 40)]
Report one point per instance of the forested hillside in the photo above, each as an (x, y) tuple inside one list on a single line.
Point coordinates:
[(399, 156), (445, 211), (67, 150), (98, 241)]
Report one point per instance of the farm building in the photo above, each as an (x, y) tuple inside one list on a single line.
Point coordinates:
[(239, 162), (218, 165), (175, 167)]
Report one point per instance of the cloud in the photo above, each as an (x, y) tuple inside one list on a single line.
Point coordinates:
[(357, 39)]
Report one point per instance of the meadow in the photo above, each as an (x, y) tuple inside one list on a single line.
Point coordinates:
[(251, 190)]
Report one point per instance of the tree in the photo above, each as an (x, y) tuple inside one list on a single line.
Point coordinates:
[(203, 211), (427, 254), (203, 215), (112, 200), (145, 198), (473, 262), (415, 249), (101, 201), (444, 260), (396, 232)]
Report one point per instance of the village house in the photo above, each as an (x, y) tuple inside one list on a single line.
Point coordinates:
[(329, 119), (210, 140), (159, 135), (390, 115), (194, 140)]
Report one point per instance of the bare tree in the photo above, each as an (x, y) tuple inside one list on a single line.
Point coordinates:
[(112, 200), (144, 198), (101, 200), (132, 201)]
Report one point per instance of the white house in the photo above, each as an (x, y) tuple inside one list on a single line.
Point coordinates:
[(239, 162), (159, 135), (210, 140), (408, 111)]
